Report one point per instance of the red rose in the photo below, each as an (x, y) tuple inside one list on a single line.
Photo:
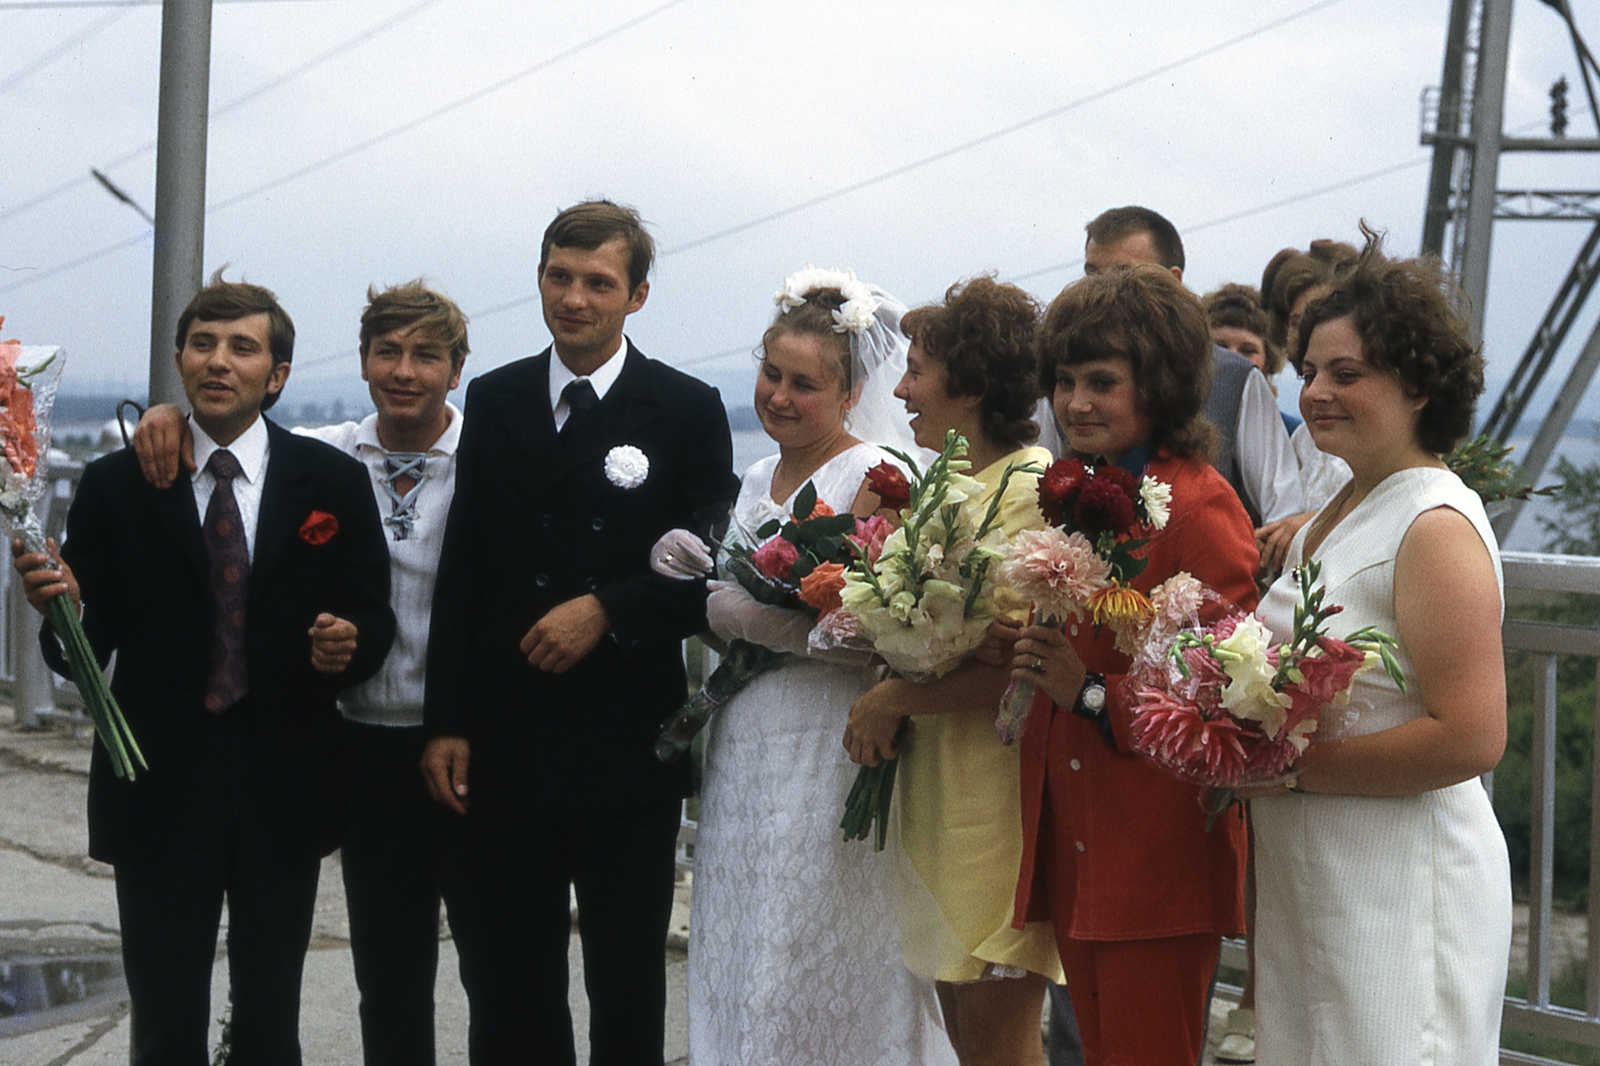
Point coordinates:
[(1060, 483), (1105, 504), (889, 484), (318, 528), (775, 559)]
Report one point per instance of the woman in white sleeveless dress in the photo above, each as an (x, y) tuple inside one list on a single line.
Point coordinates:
[(794, 952), (1383, 918)]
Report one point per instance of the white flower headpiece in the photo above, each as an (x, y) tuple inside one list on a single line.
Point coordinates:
[(859, 304)]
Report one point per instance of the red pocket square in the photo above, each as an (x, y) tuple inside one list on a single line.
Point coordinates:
[(318, 528)]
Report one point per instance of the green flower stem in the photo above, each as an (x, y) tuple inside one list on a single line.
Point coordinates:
[(109, 725)]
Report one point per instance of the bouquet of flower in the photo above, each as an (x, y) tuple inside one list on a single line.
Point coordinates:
[(921, 597), (1082, 563), (1223, 706), (799, 566), (26, 395)]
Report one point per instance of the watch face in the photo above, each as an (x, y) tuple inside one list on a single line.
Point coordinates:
[(1094, 698)]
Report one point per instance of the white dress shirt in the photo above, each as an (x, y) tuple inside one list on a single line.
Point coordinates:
[(393, 696), (252, 449), (1321, 475), (1267, 464), (601, 380)]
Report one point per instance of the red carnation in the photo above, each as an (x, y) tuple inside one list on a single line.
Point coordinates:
[(318, 528), (1058, 487), (1105, 504), (888, 482)]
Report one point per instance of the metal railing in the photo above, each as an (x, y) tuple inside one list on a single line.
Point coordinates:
[(1546, 641), (35, 692)]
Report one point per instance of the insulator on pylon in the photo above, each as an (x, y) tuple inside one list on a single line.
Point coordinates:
[(1558, 107)]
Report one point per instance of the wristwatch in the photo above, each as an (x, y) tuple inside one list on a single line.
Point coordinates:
[(1091, 702)]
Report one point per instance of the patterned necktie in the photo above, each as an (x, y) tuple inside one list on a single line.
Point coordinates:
[(581, 402), (230, 580)]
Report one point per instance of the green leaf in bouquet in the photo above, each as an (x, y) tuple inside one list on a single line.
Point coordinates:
[(762, 590), (806, 501), (769, 529)]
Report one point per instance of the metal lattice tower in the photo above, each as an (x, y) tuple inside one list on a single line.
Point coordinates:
[(1462, 121)]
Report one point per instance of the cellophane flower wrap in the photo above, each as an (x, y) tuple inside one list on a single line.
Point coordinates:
[(28, 379), (799, 565), (1080, 565), (922, 598), (1222, 706)]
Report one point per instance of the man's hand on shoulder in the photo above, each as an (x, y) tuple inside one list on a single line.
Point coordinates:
[(162, 441), (567, 633), (333, 642), (44, 576)]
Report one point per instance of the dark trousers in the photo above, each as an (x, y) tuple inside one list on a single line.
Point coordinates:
[(218, 844), (1063, 1047), (620, 864), (400, 858)]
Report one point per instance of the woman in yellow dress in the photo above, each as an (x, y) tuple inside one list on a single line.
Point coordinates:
[(971, 368)]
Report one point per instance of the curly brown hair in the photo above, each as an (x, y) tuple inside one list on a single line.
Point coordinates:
[(1144, 315), (983, 334), (814, 318), (1239, 306), (1412, 319)]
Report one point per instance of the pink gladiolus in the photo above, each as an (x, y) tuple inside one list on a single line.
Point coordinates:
[(870, 535), (18, 428), (775, 559)]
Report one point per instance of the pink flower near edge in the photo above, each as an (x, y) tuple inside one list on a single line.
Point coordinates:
[(870, 535), (1057, 571), (775, 559)]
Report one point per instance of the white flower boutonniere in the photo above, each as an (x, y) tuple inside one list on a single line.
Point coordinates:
[(627, 466)]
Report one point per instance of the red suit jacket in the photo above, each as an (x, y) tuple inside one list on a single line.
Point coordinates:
[(1114, 848)]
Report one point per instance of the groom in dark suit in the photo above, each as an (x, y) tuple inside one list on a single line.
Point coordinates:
[(238, 602), (555, 652)]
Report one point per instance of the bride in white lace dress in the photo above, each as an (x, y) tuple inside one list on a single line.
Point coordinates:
[(794, 952)]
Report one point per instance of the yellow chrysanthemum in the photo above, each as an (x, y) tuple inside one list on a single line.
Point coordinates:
[(1119, 607)]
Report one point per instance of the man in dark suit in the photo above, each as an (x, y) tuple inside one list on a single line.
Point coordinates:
[(238, 602), (555, 651)]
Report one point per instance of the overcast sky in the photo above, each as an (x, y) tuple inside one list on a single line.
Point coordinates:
[(371, 141)]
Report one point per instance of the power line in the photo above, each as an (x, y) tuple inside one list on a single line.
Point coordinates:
[(368, 143), (993, 135), (1260, 209), (47, 5), (52, 54), (976, 142), (368, 34), (472, 97)]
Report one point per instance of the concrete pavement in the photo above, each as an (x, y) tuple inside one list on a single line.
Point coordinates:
[(58, 915)]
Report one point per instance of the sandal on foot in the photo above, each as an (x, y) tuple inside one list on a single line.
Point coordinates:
[(1238, 1047)]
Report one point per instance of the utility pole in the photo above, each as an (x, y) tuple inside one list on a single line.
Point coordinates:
[(180, 235), (1462, 121)]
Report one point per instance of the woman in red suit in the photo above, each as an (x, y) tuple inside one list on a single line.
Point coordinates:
[(1115, 851)]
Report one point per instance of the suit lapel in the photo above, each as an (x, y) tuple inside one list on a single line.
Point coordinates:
[(285, 503), (524, 401), (175, 509)]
